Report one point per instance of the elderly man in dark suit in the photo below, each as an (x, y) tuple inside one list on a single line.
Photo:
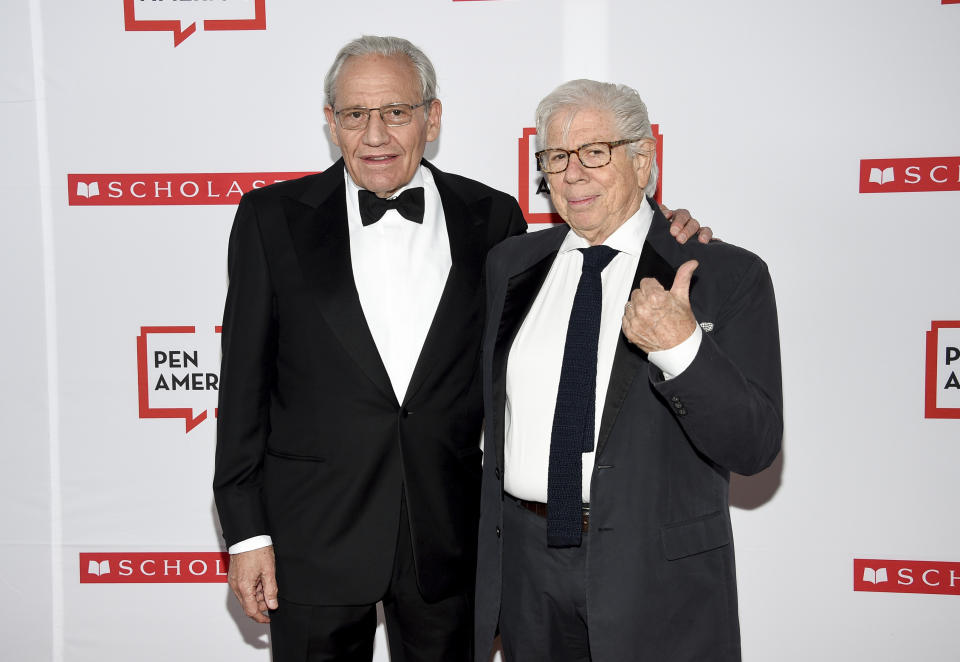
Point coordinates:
[(625, 377), (348, 459)]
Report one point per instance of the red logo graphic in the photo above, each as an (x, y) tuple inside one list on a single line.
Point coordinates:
[(885, 576), (176, 372), (199, 188), (153, 16), (942, 382), (160, 568), (940, 173), (950, 2), (533, 193)]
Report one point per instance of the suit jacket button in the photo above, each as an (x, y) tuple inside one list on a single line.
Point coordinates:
[(496, 472), (403, 412), (498, 531), (682, 412), (675, 399)]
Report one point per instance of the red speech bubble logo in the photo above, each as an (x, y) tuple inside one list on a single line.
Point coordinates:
[(149, 16), (186, 379), (942, 379), (532, 191)]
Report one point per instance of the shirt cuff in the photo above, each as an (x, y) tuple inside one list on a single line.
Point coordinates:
[(675, 360), (250, 544)]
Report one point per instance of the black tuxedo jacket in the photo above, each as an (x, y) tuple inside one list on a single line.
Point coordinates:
[(661, 583), (313, 447)]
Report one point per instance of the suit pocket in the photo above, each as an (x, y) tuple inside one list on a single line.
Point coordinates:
[(295, 456), (694, 536)]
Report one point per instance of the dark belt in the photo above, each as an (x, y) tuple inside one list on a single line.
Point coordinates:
[(541, 509)]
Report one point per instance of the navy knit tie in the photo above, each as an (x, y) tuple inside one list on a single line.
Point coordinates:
[(573, 418)]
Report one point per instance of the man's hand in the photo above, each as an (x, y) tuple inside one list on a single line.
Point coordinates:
[(252, 577), (683, 226), (655, 319)]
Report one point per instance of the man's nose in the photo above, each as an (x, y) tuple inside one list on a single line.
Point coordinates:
[(575, 170), (375, 132)]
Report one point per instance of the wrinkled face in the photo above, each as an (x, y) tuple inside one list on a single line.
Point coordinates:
[(382, 158), (596, 201)]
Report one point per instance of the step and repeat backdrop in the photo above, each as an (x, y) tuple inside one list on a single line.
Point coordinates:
[(821, 135)]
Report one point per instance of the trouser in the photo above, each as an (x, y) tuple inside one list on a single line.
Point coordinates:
[(543, 607), (417, 630)]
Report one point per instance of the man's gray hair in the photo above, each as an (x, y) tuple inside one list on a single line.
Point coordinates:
[(388, 47), (623, 102)]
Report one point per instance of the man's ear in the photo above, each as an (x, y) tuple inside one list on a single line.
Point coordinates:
[(332, 123), (433, 120), (643, 160)]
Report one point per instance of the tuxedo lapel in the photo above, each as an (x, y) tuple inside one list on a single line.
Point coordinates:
[(630, 361), (523, 285), (458, 311), (321, 240)]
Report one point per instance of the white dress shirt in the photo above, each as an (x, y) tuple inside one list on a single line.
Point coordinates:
[(400, 269), (533, 366)]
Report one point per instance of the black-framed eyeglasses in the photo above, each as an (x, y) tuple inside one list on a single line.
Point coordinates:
[(591, 155), (393, 114)]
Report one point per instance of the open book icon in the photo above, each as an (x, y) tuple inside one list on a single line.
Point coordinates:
[(878, 176), (875, 576), (93, 189), (98, 569)]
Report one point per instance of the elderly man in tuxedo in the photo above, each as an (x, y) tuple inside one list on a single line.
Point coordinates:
[(348, 458), (625, 377)]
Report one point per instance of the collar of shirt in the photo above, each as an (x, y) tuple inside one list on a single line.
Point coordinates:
[(628, 238)]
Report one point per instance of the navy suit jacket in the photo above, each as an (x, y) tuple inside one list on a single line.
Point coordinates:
[(661, 582)]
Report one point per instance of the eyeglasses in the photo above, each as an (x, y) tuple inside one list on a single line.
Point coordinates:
[(393, 114), (591, 155)]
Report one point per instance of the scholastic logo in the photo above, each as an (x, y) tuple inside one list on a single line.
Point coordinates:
[(533, 191), (885, 576), (940, 173), (198, 188), (159, 568), (178, 372), (942, 383), (181, 18)]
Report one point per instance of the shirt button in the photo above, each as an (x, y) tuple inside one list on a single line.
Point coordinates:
[(498, 531)]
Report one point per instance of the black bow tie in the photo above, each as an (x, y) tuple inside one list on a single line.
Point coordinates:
[(409, 204)]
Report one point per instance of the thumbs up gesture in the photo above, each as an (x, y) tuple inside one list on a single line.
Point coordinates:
[(655, 319)]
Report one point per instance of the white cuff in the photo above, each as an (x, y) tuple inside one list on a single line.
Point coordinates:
[(675, 360), (250, 544)]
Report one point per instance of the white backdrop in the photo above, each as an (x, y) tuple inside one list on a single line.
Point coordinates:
[(769, 113)]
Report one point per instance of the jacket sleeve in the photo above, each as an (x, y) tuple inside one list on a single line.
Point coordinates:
[(247, 373), (729, 400)]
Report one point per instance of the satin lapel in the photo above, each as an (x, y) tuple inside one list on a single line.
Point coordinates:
[(459, 310), (521, 291), (629, 361), (321, 240)]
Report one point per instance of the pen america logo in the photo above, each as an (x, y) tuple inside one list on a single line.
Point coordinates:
[(181, 17), (942, 381), (150, 568), (533, 193), (148, 189), (178, 373), (940, 173), (888, 576)]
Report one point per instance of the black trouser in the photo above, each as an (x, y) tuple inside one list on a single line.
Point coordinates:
[(418, 631), (543, 607)]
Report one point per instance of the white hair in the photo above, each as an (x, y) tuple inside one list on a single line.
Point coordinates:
[(623, 102), (388, 47)]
